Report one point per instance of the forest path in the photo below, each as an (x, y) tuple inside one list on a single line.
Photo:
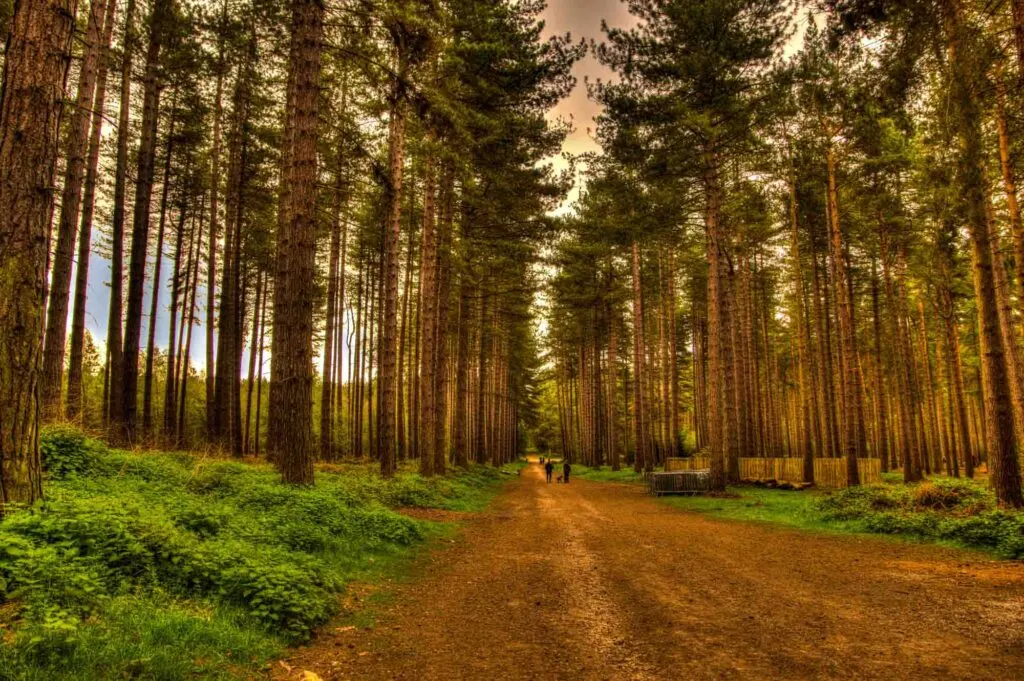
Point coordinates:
[(599, 581)]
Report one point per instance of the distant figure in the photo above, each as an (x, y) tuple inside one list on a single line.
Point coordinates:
[(549, 468), (566, 468)]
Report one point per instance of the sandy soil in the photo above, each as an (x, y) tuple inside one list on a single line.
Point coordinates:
[(596, 581)]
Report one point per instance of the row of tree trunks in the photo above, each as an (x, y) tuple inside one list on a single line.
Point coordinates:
[(126, 415), (115, 363), (76, 154), (75, 397)]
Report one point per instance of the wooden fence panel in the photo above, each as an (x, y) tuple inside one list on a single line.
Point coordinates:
[(757, 469), (832, 472), (690, 463), (792, 469), (870, 471), (829, 473)]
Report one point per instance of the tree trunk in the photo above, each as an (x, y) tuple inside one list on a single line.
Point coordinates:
[(35, 66), (154, 306), (70, 206), (462, 373), (186, 353), (643, 455), (259, 369), (115, 363), (211, 253), (956, 379), (292, 361), (673, 367), (1006, 165), (257, 322), (392, 237), (162, 15), (170, 388), (804, 438), (428, 322), (824, 366), (853, 446), (330, 331), (613, 438), (1003, 462), (716, 324), (75, 406), (881, 412), (1006, 325), (402, 403), (480, 444), (443, 295)]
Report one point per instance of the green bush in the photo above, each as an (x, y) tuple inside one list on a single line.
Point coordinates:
[(960, 511), (202, 521), (999, 530), (66, 451), (119, 532), (948, 495), (894, 522)]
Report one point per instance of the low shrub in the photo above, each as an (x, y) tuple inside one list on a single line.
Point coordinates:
[(947, 495), (67, 452), (896, 522), (120, 531), (960, 511)]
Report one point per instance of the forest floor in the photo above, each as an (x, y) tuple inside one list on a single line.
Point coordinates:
[(597, 580)]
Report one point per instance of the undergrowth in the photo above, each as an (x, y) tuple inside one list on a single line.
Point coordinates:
[(168, 565), (956, 512), (962, 512), (605, 474)]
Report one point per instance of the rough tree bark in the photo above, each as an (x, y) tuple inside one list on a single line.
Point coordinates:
[(292, 361), (389, 318), (428, 321), (446, 218), (35, 65), (1004, 464)]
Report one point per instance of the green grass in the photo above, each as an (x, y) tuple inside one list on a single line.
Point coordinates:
[(794, 509), (165, 566), (951, 512), (606, 474)]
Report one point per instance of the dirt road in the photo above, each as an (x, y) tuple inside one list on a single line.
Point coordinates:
[(598, 581)]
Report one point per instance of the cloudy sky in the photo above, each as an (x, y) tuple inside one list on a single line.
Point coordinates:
[(582, 19)]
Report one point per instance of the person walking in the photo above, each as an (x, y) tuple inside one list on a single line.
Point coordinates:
[(549, 468), (566, 469)]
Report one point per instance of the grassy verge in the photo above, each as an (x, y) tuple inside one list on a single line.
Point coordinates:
[(165, 566), (606, 474), (795, 509), (952, 512)]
